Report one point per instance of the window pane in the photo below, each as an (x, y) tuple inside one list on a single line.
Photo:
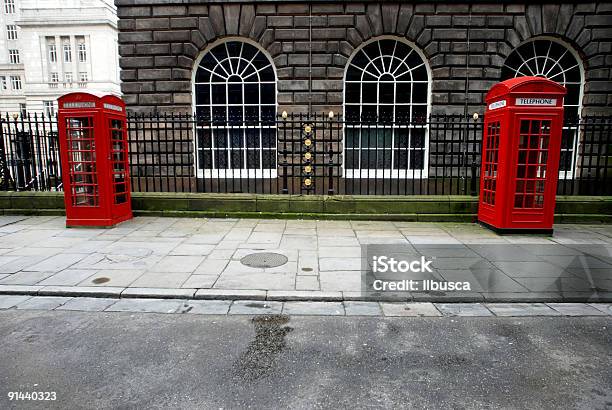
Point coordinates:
[(352, 92), (218, 93), (202, 94), (251, 93), (369, 93), (268, 94), (234, 93)]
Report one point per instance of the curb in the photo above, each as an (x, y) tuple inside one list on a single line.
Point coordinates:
[(295, 295)]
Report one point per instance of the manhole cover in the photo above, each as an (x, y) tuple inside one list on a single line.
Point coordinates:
[(97, 281), (264, 260)]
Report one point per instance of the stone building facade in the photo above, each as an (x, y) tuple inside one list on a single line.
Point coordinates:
[(465, 46)]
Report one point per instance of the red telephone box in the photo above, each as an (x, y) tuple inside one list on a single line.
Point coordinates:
[(94, 154), (520, 155)]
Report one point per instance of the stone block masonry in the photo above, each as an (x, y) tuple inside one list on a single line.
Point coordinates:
[(160, 40)]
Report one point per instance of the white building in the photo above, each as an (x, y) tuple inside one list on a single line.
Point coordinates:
[(52, 47)]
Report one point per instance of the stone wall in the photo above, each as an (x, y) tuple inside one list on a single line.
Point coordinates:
[(161, 39)]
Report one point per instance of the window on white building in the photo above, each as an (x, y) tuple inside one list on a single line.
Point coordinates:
[(11, 32), (54, 77), (49, 108), (14, 56), (22, 109), (16, 82), (3, 83), (83, 77), (52, 53), (67, 53), (68, 77), (9, 6), (82, 52)]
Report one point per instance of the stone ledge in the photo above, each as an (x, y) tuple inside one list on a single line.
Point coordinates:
[(425, 208)]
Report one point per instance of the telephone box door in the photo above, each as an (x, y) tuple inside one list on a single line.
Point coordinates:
[(536, 161), (120, 181)]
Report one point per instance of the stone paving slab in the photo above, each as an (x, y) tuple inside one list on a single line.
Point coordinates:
[(313, 308), (256, 307), (415, 309), (463, 309), (356, 308), (205, 307), (43, 303), (145, 305), (86, 304), (9, 301), (521, 309), (603, 307), (576, 309)]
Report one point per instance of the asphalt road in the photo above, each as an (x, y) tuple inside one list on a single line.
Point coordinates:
[(127, 360)]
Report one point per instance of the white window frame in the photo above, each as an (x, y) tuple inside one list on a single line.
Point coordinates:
[(68, 77), (49, 108), (14, 56), (543, 71), (67, 52), (3, 83), (255, 173), (9, 6), (83, 77), (16, 82), (11, 32), (52, 48), (365, 173), (82, 50)]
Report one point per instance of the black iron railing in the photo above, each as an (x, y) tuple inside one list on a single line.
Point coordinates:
[(302, 154), (29, 153)]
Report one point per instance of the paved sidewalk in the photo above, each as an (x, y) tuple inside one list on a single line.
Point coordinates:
[(187, 258)]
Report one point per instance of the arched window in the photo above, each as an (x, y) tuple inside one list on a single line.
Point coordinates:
[(550, 58), (386, 103), (235, 104)]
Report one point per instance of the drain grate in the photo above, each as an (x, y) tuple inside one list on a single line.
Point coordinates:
[(264, 260)]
